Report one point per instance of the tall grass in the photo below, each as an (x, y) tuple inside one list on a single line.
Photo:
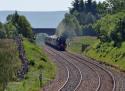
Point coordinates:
[(9, 62)]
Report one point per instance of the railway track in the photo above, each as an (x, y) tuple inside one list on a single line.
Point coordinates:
[(98, 78), (74, 78), (60, 80), (106, 80), (87, 83), (105, 75)]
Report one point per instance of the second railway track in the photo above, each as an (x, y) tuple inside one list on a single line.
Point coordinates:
[(104, 78), (107, 79)]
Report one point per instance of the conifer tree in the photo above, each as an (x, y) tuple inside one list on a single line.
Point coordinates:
[(81, 6)]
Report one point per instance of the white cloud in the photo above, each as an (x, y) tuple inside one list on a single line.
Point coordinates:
[(35, 5)]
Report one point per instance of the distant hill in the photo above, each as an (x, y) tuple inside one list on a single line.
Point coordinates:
[(39, 19)]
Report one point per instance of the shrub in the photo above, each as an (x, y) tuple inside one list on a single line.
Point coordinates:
[(111, 28)]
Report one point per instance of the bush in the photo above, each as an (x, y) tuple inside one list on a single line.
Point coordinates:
[(111, 28)]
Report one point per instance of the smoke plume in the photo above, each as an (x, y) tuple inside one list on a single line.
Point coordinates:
[(69, 27)]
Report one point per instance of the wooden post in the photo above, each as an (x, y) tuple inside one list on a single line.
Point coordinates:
[(82, 49), (40, 79)]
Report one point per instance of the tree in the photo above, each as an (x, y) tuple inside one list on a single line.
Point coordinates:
[(117, 5), (10, 30), (118, 35), (81, 6), (13, 18), (89, 6), (2, 31), (104, 8), (21, 23), (94, 5), (85, 12), (75, 5), (24, 27), (1, 26), (9, 18), (111, 28)]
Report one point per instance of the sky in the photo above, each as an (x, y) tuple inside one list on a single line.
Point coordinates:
[(36, 5)]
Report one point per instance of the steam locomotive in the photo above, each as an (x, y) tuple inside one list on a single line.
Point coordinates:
[(56, 42)]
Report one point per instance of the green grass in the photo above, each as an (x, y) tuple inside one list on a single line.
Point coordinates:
[(109, 54), (104, 52), (40, 65), (76, 43)]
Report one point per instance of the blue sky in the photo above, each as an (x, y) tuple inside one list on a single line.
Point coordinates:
[(36, 5)]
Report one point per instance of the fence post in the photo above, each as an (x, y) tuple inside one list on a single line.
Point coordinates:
[(40, 78)]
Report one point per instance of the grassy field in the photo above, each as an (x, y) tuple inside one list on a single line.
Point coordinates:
[(40, 64), (76, 43), (104, 52)]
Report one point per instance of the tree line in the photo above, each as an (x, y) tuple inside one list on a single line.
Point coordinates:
[(80, 15), (106, 19), (97, 9), (94, 7), (110, 27), (84, 11), (83, 6)]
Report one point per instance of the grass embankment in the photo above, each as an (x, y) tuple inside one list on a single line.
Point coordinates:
[(38, 61), (104, 52), (76, 43)]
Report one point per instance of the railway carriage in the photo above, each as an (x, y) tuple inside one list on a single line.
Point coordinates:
[(56, 42)]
